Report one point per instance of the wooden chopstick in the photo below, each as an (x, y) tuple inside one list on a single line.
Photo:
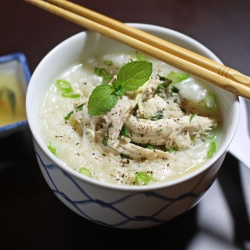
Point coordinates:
[(154, 41), (181, 58)]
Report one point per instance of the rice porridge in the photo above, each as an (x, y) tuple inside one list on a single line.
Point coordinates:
[(104, 120)]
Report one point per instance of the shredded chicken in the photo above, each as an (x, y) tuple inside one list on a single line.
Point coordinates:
[(151, 118), (131, 150), (116, 116), (169, 132), (155, 104)]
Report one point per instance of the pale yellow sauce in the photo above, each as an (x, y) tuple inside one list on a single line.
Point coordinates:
[(12, 98)]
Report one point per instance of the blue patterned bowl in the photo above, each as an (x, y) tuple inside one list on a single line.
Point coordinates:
[(108, 204), (14, 78)]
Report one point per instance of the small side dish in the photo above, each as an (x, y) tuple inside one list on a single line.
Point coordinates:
[(14, 77)]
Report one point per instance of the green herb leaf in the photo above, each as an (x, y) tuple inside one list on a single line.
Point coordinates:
[(192, 116), (123, 156), (80, 107), (146, 145), (64, 86), (117, 85), (150, 146), (52, 148), (66, 118), (177, 77), (162, 78), (175, 90), (172, 149), (105, 141), (107, 78), (143, 178), (120, 92), (134, 74), (163, 85), (159, 115), (102, 100), (85, 171), (106, 138), (124, 132)]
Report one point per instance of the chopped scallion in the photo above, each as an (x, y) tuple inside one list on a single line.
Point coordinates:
[(85, 171), (163, 85), (143, 178), (97, 71), (210, 101), (52, 148), (108, 62), (177, 77), (212, 149), (103, 72), (70, 95), (211, 134), (64, 86)]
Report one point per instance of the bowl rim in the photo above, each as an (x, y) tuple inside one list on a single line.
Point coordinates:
[(222, 150)]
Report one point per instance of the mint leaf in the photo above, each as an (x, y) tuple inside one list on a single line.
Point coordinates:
[(130, 77), (134, 74), (102, 100), (120, 92)]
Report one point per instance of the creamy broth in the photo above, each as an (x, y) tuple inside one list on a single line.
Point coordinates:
[(77, 148)]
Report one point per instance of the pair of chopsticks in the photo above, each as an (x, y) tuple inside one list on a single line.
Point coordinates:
[(192, 63)]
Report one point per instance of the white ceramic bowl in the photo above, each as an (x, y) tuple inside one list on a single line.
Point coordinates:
[(109, 204)]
